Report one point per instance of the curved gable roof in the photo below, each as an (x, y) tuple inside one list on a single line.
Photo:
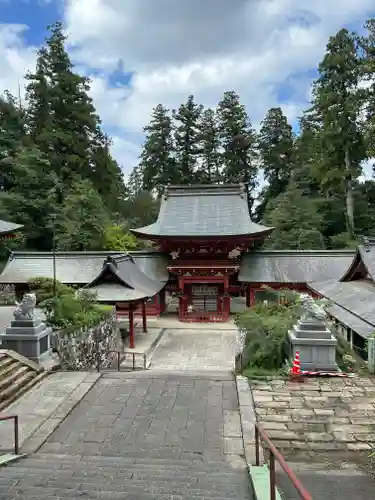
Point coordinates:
[(363, 262), (200, 210), (121, 279)]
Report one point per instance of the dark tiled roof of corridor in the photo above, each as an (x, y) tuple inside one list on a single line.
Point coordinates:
[(204, 211), (294, 266), (76, 267), (354, 297)]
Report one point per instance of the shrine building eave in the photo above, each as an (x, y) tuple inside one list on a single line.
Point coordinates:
[(8, 228), (204, 212), (121, 280)]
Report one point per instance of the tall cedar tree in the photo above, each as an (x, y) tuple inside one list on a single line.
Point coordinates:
[(60, 114), (157, 165), (106, 175), (31, 200), (12, 138), (336, 108), (209, 170), (277, 155), (238, 141), (367, 43), (187, 139)]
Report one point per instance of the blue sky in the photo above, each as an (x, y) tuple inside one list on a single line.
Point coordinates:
[(140, 53)]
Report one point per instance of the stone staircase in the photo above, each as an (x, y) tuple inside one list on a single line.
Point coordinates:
[(17, 375), (48, 476)]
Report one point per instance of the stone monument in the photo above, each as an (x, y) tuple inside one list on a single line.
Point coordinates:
[(27, 334), (311, 337)]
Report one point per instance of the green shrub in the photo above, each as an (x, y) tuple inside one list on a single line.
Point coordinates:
[(266, 327), (70, 310)]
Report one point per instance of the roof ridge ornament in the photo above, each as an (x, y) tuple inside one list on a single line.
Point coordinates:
[(110, 260)]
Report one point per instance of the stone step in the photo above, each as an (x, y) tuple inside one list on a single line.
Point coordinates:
[(13, 373), (51, 476), (26, 379), (122, 491), (87, 468), (5, 361), (121, 461)]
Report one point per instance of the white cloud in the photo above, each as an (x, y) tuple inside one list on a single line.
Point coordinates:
[(16, 58), (177, 48)]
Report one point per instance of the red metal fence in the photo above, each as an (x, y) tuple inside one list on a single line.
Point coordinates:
[(261, 434), (16, 433)]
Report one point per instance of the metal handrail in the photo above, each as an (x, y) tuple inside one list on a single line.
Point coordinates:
[(16, 430), (124, 353), (275, 454)]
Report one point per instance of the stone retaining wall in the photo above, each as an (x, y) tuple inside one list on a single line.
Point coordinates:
[(82, 350)]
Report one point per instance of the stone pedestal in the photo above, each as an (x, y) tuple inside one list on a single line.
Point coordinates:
[(316, 345), (28, 337)]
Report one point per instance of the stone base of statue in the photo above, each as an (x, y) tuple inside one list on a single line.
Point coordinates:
[(316, 345), (30, 337)]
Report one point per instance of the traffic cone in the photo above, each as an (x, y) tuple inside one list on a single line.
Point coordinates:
[(295, 372), (296, 369)]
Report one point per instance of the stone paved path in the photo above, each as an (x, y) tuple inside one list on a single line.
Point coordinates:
[(141, 435), (211, 349)]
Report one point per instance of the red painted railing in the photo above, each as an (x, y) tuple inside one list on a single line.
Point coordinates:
[(16, 433), (203, 317), (260, 433)]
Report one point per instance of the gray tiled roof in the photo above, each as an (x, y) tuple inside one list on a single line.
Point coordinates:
[(351, 321), (75, 267), (356, 297), (8, 227), (294, 266), (71, 267), (204, 211), (152, 263), (124, 272)]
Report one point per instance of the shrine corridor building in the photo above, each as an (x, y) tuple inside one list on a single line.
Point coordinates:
[(208, 262)]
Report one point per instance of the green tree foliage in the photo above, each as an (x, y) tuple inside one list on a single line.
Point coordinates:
[(30, 200), (367, 44), (157, 167), (296, 219), (82, 222), (187, 139), (336, 108), (106, 175), (265, 326), (12, 138), (117, 238), (70, 310)]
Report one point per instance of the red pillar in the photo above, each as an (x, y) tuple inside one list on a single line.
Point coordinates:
[(252, 297), (131, 327), (248, 303), (144, 317), (162, 300)]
